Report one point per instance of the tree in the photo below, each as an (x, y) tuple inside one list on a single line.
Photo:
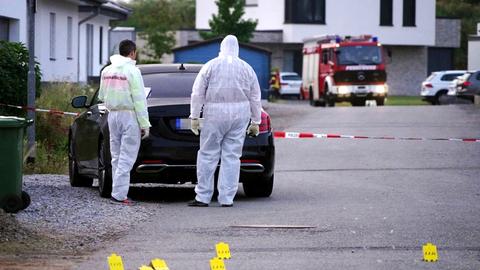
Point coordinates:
[(229, 21), (156, 21), (469, 12)]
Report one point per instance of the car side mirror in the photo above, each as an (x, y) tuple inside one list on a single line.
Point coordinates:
[(79, 102)]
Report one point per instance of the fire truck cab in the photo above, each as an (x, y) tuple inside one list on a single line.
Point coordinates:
[(349, 68)]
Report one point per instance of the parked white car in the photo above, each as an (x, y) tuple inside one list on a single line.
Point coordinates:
[(290, 83), (438, 84)]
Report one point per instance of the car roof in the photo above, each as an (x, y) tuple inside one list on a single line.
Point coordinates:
[(169, 68), (450, 71)]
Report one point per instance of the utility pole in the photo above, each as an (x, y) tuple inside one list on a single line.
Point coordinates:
[(31, 9)]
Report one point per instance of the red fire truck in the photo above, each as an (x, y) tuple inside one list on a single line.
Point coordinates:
[(350, 68)]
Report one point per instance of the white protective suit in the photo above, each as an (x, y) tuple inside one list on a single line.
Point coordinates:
[(122, 90), (228, 91)]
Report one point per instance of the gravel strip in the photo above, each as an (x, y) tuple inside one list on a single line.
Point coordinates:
[(63, 219)]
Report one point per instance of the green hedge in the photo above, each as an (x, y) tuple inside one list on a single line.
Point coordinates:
[(14, 76)]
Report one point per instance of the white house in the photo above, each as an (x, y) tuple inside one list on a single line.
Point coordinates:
[(418, 41), (474, 50), (71, 36)]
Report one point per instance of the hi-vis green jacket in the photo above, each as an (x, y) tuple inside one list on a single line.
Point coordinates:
[(122, 89)]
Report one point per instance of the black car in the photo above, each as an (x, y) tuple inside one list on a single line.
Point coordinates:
[(169, 154)]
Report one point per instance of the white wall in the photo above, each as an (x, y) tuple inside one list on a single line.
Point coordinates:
[(474, 54), (17, 11), (60, 69), (344, 17), (98, 21)]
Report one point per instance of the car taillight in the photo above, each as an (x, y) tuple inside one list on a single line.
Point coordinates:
[(265, 124), (466, 84), (428, 85)]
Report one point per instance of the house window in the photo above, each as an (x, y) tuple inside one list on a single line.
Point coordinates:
[(100, 54), (4, 29), (251, 3), (386, 12), (69, 37), (305, 11), (409, 12), (52, 36)]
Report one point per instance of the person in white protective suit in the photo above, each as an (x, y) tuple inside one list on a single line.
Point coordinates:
[(122, 90), (226, 90)]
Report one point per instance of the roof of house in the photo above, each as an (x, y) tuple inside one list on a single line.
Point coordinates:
[(218, 40), (107, 8)]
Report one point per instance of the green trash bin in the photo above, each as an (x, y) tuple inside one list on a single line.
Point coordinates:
[(12, 130)]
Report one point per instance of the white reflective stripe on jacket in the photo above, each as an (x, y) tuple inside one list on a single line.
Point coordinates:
[(121, 88)]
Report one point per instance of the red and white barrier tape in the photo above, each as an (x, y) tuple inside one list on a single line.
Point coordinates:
[(306, 135), (55, 112)]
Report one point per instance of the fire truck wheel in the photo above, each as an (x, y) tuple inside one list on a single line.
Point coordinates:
[(328, 98), (380, 101), (314, 103)]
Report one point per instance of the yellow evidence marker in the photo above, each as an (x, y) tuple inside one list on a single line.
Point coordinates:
[(159, 264), (115, 262), (144, 267), (430, 253), (223, 251), (217, 264)]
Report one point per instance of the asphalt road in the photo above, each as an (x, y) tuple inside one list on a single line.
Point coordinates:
[(372, 204)]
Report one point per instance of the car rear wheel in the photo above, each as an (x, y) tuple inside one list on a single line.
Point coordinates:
[(439, 97), (261, 188), (76, 179), (104, 173)]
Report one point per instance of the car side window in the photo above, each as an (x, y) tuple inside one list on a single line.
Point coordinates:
[(450, 77), (478, 76)]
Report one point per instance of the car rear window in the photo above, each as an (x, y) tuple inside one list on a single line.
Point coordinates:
[(450, 77), (430, 78), (465, 77), (291, 78), (170, 85)]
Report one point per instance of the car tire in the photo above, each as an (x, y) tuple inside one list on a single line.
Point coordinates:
[(440, 94), (104, 173), (76, 179), (260, 188)]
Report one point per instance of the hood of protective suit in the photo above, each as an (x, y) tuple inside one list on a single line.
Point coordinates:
[(118, 60), (229, 47)]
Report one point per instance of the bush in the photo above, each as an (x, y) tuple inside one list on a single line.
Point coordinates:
[(52, 130), (14, 74)]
